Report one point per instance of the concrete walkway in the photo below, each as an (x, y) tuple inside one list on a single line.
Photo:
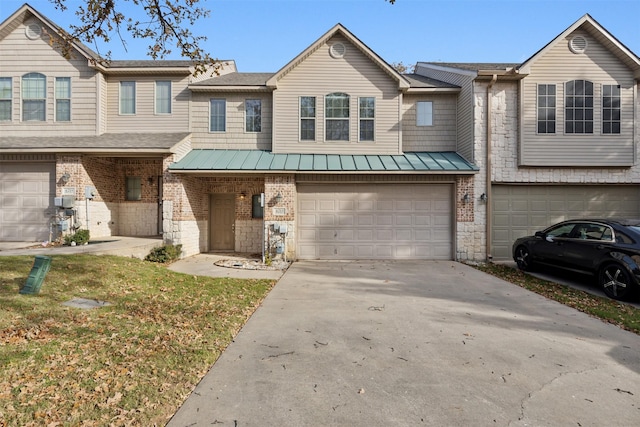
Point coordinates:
[(417, 343)]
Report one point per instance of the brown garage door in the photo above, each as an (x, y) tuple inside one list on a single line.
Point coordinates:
[(521, 210), (26, 201), (375, 221)]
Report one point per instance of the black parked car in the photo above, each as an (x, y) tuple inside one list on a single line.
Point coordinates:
[(605, 248)]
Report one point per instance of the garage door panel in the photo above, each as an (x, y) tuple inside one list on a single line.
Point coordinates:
[(384, 219), (520, 210), (26, 199), (390, 221)]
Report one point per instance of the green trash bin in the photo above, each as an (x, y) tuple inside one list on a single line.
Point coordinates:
[(41, 266)]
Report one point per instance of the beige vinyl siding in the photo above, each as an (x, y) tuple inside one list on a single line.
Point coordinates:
[(439, 137), (102, 106), (559, 66), (235, 136), (145, 119), (319, 75), (465, 106), (51, 64)]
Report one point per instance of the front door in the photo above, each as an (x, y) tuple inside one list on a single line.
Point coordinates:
[(222, 208)]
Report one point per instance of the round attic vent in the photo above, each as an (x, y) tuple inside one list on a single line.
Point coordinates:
[(337, 50), (578, 44), (33, 31)]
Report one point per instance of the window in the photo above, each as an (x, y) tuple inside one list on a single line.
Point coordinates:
[(217, 115), (257, 210), (252, 115), (5, 98), (34, 97), (367, 112), (424, 113), (134, 188), (610, 109), (307, 118), (163, 97), (337, 117), (546, 108), (127, 97), (63, 99), (578, 107)]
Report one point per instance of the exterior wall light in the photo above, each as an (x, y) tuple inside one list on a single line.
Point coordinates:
[(465, 198), (483, 197), (65, 177), (278, 198), (242, 196)]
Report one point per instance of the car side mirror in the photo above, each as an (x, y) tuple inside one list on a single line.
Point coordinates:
[(540, 234)]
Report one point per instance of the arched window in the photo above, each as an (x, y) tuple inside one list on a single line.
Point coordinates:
[(34, 97), (336, 117), (578, 106)]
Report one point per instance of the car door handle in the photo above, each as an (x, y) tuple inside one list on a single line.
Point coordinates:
[(599, 247)]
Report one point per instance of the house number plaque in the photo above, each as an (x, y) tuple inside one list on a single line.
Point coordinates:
[(279, 211)]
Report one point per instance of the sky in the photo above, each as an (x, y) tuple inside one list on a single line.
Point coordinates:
[(264, 35)]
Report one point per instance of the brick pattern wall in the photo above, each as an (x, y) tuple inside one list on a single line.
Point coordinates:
[(108, 213), (465, 199)]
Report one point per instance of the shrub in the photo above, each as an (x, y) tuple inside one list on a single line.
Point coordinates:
[(80, 237), (164, 253)]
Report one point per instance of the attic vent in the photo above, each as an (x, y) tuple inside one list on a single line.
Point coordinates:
[(337, 50), (578, 44), (33, 31)]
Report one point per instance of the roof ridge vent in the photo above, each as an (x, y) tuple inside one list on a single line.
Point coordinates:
[(578, 44)]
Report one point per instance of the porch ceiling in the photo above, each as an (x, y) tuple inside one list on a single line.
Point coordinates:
[(203, 160)]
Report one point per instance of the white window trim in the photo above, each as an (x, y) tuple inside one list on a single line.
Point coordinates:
[(10, 99), (135, 98), (314, 118), (155, 98), (360, 119), (22, 98), (326, 119), (426, 121), (225, 115), (556, 109), (245, 116), (55, 100)]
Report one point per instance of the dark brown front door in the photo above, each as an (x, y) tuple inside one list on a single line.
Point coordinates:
[(222, 222)]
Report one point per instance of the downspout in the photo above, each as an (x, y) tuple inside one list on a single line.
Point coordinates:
[(488, 170)]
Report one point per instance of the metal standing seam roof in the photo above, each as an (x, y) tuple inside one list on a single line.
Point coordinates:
[(211, 160)]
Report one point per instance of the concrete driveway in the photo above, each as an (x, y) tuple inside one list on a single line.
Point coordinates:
[(417, 343)]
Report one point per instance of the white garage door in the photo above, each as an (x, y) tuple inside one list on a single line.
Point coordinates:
[(375, 221), (26, 197), (521, 210)]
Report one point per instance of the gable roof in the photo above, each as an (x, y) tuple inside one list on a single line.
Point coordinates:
[(339, 29), (591, 26), (25, 13)]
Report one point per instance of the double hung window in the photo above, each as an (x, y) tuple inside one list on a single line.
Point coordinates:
[(610, 109), (337, 117), (217, 115), (127, 97), (163, 97), (34, 97), (253, 115), (546, 108), (367, 113), (63, 99), (6, 100), (307, 118), (578, 107)]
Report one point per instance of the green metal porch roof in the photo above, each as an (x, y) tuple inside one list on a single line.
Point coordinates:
[(209, 160)]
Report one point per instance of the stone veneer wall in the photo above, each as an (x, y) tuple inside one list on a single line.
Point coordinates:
[(285, 185)]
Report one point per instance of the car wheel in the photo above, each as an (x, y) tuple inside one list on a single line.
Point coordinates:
[(523, 258), (615, 281)]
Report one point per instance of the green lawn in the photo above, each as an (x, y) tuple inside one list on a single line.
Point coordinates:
[(131, 363)]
